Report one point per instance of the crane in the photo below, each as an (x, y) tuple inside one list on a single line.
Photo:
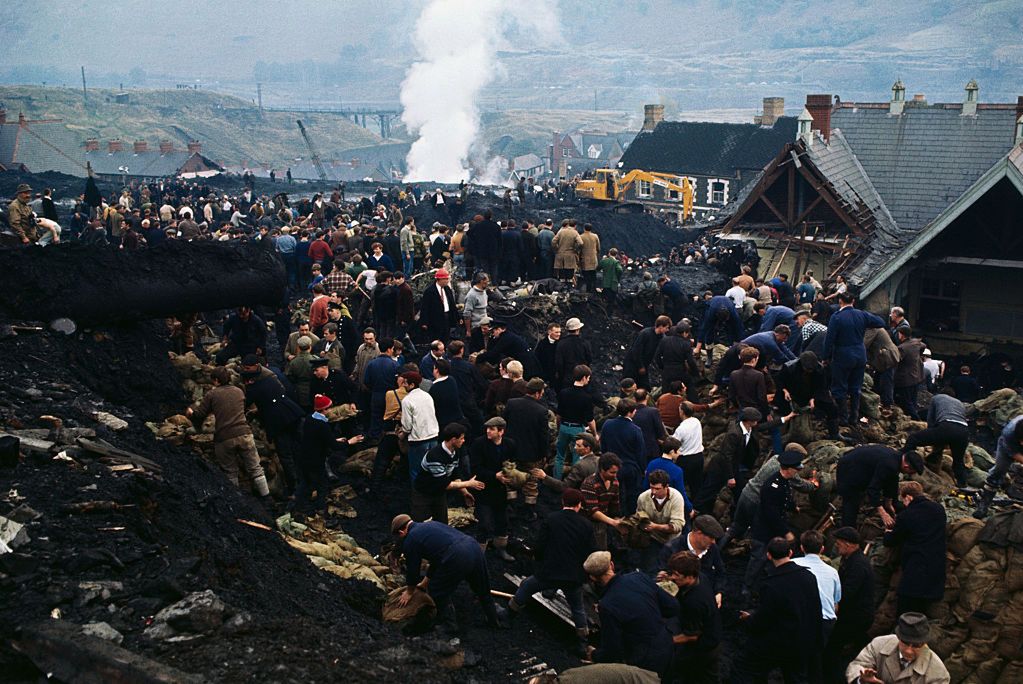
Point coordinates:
[(312, 151)]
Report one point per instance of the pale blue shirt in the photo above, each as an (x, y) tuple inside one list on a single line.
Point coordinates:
[(828, 584)]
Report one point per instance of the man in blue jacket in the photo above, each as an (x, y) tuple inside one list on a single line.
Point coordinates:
[(721, 323), (843, 347), (621, 436), (454, 557), (632, 617)]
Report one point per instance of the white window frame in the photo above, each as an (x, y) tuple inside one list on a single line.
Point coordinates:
[(649, 188), (710, 191), (678, 181)]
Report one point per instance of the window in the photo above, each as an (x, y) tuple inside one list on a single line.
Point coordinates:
[(675, 195), (644, 189), (939, 304), (718, 191)]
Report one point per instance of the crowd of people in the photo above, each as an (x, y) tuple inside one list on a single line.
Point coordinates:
[(462, 401)]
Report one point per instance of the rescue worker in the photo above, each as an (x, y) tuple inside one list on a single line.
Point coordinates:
[(771, 521), (21, 217), (697, 644), (487, 456), (232, 436), (857, 609), (632, 612), (843, 348), (640, 355), (561, 546), (454, 557), (873, 470), (919, 532), (1008, 451), (946, 426)]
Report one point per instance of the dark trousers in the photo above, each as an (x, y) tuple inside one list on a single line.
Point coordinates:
[(851, 502), (630, 479), (692, 472), (573, 595), (492, 515), (956, 436), (906, 398), (386, 450), (312, 476), (287, 449), (693, 666), (464, 562), (846, 640), (886, 386), (377, 404), (589, 279), (912, 604), (760, 661), (425, 506)]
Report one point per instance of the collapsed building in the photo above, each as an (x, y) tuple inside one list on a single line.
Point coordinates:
[(912, 202)]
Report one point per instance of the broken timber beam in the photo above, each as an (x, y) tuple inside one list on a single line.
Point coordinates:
[(65, 654), (108, 450), (31, 444)]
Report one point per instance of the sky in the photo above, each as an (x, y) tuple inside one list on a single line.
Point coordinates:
[(636, 51)]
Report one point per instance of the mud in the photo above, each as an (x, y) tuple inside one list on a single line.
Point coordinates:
[(91, 283)]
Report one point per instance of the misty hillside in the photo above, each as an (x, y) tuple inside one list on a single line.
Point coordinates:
[(231, 130), (696, 54)]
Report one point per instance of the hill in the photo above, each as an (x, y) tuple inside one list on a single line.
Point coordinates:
[(230, 129)]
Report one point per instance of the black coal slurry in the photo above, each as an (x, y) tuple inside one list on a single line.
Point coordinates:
[(94, 283), (170, 537), (635, 234)]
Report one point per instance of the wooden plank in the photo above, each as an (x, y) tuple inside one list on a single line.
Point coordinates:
[(774, 210), (105, 448), (813, 205), (31, 444), (60, 649), (559, 606), (790, 210)]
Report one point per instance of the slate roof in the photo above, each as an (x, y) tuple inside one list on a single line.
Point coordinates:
[(41, 147), (526, 161), (924, 159), (151, 164), (708, 149)]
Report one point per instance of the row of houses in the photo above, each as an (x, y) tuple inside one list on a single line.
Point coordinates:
[(916, 203)]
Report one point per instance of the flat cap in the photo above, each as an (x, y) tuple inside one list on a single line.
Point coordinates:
[(496, 421), (709, 525), (848, 534), (751, 414)]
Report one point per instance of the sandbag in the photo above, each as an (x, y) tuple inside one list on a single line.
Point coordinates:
[(999, 407), (518, 478), (962, 535), (633, 530), (421, 602)]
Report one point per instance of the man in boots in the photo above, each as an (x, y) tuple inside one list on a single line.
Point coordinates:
[(487, 456), (843, 346), (1009, 451), (563, 543), (801, 385), (453, 557), (232, 436)]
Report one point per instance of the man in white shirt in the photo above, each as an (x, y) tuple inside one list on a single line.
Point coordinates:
[(418, 421), (690, 434), (736, 294), (933, 369), (828, 585)]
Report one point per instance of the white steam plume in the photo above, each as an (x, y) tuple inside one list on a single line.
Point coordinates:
[(458, 41)]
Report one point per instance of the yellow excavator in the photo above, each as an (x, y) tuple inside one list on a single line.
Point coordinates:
[(609, 185)]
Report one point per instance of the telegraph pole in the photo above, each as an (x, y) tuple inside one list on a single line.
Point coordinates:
[(85, 94), (259, 96)]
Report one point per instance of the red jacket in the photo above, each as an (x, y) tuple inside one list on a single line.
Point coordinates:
[(318, 312)]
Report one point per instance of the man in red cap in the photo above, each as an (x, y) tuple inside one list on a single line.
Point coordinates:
[(317, 442), (437, 311)]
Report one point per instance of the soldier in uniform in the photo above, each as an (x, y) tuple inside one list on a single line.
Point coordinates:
[(772, 518)]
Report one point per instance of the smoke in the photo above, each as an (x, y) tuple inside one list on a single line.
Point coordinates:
[(458, 42)]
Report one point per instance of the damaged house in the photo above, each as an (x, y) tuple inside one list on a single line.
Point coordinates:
[(719, 159), (915, 203), (578, 152), (141, 162)]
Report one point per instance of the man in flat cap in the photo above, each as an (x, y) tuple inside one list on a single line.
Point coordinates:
[(21, 217), (903, 657), (857, 614)]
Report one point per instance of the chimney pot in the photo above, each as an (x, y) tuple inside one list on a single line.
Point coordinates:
[(115, 145), (140, 146), (21, 119), (920, 97), (653, 114)]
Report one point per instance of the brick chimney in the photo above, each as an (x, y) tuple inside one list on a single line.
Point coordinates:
[(819, 107), (652, 115), (140, 146), (166, 146), (115, 145), (774, 107), (21, 119), (1019, 106), (3, 115), (92, 145), (194, 147), (920, 99)]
